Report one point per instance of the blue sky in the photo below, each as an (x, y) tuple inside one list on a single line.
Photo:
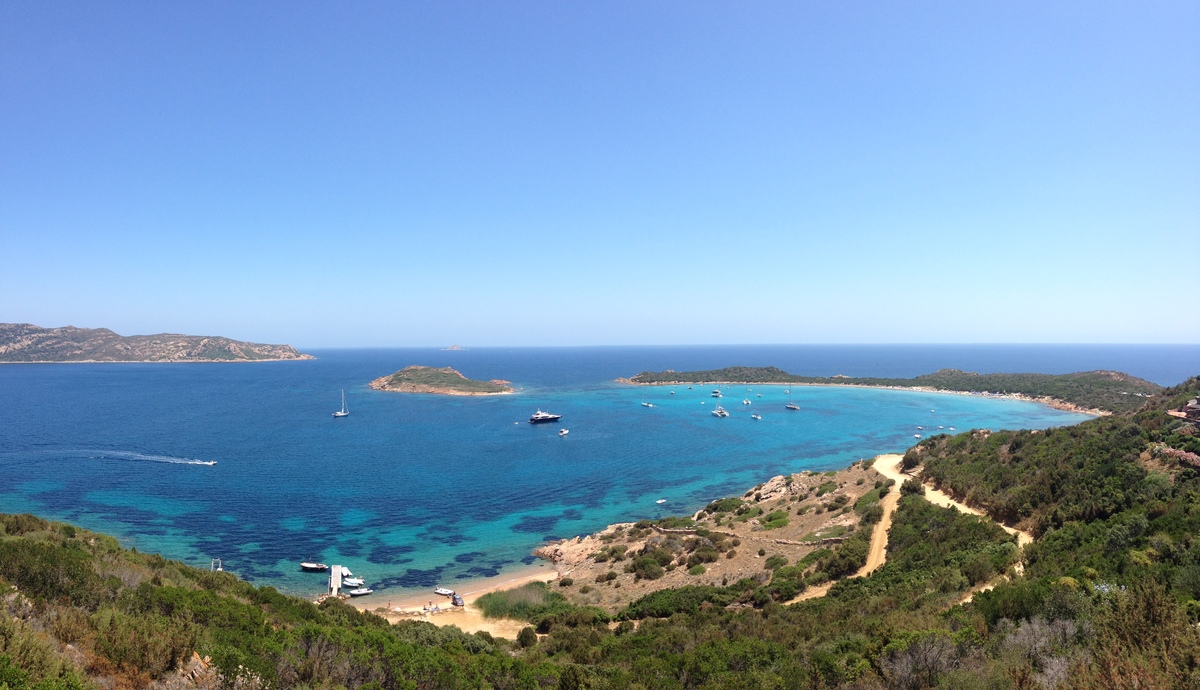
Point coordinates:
[(372, 174)]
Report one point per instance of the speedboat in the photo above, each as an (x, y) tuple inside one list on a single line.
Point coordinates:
[(563, 432), (951, 428), (755, 416), (313, 567), (661, 501), (443, 591), (353, 582), (746, 401), (540, 417), (720, 412), (716, 393), (921, 428), (361, 591), (916, 436), (647, 404)]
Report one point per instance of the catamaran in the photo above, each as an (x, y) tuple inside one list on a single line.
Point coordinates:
[(342, 412)]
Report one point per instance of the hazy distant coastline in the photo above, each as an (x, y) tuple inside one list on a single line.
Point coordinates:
[(23, 343)]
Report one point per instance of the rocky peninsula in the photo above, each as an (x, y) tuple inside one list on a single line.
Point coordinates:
[(23, 343), (443, 381), (1090, 392)]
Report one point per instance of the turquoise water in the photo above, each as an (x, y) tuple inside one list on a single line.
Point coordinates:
[(413, 490)]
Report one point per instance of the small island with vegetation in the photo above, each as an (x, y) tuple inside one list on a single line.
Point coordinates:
[(443, 381), (1092, 392), (23, 343)]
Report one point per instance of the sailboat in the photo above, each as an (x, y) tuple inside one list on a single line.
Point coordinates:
[(791, 405), (342, 412)]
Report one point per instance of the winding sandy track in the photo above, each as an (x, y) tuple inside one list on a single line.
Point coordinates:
[(889, 466)]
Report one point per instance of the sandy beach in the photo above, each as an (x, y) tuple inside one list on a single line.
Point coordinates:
[(469, 618), (1044, 400)]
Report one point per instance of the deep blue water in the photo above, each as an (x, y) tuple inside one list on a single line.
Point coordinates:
[(411, 490)]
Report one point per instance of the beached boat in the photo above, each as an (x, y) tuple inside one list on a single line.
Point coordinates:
[(720, 412), (540, 417), (342, 412), (310, 567), (443, 591), (361, 591)]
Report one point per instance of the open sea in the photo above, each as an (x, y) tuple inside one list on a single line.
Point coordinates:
[(416, 490)]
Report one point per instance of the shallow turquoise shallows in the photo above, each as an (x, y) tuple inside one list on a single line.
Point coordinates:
[(411, 490)]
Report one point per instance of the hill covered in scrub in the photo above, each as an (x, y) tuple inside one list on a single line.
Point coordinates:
[(443, 381), (1107, 596), (22, 342), (1109, 391)]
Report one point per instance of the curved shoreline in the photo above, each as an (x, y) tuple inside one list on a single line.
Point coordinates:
[(1043, 400)]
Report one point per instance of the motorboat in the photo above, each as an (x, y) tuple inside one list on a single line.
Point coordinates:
[(647, 404), (746, 401), (755, 416), (310, 567), (443, 591), (361, 591), (563, 432), (661, 501), (353, 582), (342, 412), (916, 436), (720, 412), (716, 393), (920, 428), (540, 417)]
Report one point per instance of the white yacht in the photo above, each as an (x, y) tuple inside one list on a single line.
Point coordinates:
[(720, 412), (342, 412)]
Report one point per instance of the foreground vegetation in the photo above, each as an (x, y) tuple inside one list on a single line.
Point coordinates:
[(1104, 390), (1109, 596)]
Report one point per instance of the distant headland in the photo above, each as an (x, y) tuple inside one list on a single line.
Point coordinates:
[(444, 381), (454, 348), (23, 343), (1089, 392)]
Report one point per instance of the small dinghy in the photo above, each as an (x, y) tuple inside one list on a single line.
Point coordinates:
[(361, 591), (443, 591)]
